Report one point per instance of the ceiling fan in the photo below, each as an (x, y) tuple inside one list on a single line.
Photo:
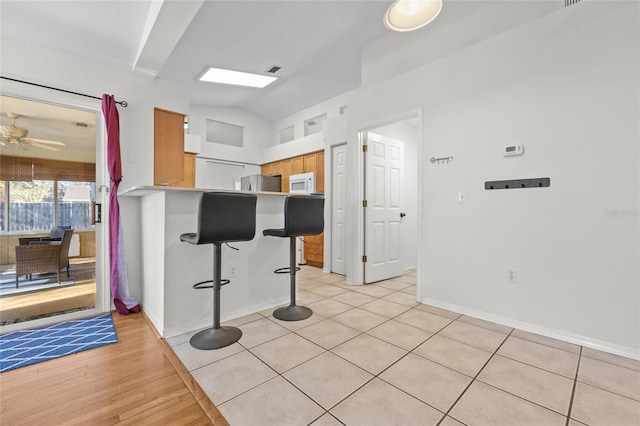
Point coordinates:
[(18, 135)]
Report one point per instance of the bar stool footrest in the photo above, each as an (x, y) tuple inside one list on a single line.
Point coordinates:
[(215, 338), (292, 313), (284, 270), (200, 285)]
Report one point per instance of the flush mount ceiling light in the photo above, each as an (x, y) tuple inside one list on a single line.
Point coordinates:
[(409, 15), (237, 78)]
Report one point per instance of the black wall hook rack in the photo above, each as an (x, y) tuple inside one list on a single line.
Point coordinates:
[(518, 183)]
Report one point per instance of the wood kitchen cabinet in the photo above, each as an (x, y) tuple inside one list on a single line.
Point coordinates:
[(168, 152), (286, 172), (311, 162), (276, 169), (314, 250), (189, 178), (297, 165), (267, 169), (320, 171)]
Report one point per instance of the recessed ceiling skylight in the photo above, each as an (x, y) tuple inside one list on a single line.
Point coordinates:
[(218, 75)]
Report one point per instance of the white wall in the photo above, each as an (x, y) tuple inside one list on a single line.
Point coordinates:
[(257, 133), (566, 86), (331, 107), (395, 53), (221, 174), (303, 144), (219, 165)]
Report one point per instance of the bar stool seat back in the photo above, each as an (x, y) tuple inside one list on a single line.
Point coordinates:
[(223, 217), (303, 215)]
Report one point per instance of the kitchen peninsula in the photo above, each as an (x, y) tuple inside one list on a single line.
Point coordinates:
[(170, 267)]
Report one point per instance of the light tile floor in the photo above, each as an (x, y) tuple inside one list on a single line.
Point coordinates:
[(371, 355)]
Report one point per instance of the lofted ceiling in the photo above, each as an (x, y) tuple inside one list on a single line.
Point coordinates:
[(318, 43)]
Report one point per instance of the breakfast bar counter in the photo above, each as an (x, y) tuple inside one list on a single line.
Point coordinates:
[(170, 267)]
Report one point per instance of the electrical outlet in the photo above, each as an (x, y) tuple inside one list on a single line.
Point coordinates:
[(512, 276), (232, 271)]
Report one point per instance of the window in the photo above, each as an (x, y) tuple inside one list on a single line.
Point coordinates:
[(314, 125), (224, 133), (39, 205), (287, 134), (74, 203), (30, 205)]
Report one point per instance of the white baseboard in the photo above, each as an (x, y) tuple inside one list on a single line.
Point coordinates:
[(537, 329)]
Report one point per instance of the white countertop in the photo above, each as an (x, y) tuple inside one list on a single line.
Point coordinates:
[(142, 190)]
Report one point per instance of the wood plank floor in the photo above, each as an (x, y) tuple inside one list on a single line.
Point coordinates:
[(80, 296), (129, 382)]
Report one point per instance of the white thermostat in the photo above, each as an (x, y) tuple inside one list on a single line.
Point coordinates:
[(513, 150)]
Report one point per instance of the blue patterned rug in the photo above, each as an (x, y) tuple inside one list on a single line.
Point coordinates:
[(27, 347)]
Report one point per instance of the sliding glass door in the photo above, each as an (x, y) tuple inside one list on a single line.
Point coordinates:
[(51, 256)]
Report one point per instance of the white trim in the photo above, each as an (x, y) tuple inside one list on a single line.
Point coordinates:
[(328, 200), (55, 319), (43, 95), (537, 329), (358, 277)]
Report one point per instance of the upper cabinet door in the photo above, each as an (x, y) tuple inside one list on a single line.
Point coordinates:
[(320, 171), (276, 168), (266, 169), (310, 162), (168, 153), (297, 165)]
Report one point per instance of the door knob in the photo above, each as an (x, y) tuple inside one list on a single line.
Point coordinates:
[(402, 215)]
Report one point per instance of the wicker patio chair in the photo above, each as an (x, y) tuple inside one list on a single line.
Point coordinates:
[(55, 234), (43, 257)]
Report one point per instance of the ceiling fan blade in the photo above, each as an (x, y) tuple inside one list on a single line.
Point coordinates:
[(39, 145), (44, 141)]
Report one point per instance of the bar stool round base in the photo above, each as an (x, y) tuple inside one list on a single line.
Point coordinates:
[(215, 338), (292, 313)]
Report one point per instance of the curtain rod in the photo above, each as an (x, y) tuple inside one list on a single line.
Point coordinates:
[(123, 103)]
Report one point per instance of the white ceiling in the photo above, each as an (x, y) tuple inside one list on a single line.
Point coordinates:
[(51, 122), (318, 43)]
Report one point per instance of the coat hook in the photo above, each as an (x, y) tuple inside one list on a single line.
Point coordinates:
[(443, 159)]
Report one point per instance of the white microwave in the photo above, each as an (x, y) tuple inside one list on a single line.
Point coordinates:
[(303, 183)]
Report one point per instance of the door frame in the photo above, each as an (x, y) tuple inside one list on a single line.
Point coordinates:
[(42, 95), (369, 212), (329, 202), (356, 204)]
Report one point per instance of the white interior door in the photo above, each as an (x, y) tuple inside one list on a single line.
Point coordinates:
[(338, 236), (384, 161)]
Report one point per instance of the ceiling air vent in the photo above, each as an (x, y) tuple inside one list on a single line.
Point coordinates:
[(273, 69), (568, 3)]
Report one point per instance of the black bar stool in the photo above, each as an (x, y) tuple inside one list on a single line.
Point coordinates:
[(303, 215), (222, 217)]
